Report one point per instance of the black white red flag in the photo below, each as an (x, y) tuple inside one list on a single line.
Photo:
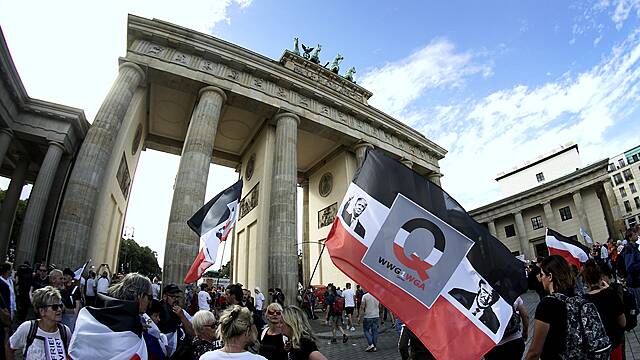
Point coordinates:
[(112, 332), (420, 254), (571, 250), (213, 224)]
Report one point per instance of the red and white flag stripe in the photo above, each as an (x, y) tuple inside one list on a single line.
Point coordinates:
[(571, 250)]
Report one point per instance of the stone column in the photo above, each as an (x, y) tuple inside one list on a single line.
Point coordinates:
[(408, 163), (10, 203), (435, 178), (619, 226), (6, 135), (582, 215), (492, 228), (283, 258), (549, 218), (361, 150), (37, 203), (306, 246), (73, 228), (521, 232), (191, 183)]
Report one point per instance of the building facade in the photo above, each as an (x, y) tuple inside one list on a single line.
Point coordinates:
[(625, 174), (39, 141), (581, 199)]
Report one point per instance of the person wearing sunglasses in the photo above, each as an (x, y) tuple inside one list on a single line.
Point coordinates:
[(273, 344), (204, 325), (175, 322), (30, 335)]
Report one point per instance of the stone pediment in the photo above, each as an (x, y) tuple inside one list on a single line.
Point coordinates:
[(324, 76)]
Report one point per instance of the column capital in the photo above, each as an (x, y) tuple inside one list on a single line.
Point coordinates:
[(304, 183), (7, 131), (57, 144), (133, 66), (286, 114), (408, 163), (213, 89), (362, 144)]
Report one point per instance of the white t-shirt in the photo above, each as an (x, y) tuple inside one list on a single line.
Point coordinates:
[(221, 355), (518, 334), (90, 288), (155, 289), (203, 297), (371, 306), (259, 301), (349, 298), (36, 351), (103, 285)]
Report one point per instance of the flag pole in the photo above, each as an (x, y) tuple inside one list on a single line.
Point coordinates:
[(317, 262)]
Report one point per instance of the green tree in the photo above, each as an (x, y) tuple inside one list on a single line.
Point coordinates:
[(17, 225), (222, 273), (135, 258)]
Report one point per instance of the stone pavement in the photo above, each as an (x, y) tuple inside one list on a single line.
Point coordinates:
[(388, 339)]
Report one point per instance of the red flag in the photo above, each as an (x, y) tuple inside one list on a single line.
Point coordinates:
[(421, 255), (571, 250)]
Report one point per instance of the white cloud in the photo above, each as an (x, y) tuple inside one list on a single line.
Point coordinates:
[(397, 84), (510, 126), (67, 52)]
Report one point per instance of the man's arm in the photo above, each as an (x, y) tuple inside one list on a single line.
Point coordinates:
[(186, 324), (524, 315)]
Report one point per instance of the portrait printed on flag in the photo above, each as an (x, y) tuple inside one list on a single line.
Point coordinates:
[(351, 214), (479, 302)]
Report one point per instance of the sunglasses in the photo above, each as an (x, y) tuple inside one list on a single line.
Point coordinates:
[(55, 307), (274, 312)]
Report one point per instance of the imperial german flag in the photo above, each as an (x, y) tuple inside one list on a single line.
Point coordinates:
[(213, 223), (416, 250)]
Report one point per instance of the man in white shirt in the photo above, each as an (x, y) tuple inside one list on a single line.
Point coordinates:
[(370, 310), (259, 305), (349, 304), (102, 286), (204, 299), (155, 289)]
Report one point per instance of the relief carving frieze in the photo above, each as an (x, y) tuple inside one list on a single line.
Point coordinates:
[(315, 73), (249, 202)]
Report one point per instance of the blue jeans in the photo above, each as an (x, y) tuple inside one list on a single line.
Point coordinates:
[(370, 327)]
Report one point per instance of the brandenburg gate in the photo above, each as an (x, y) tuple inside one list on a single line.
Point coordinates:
[(281, 124)]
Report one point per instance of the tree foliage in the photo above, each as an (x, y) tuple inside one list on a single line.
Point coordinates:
[(135, 258), (223, 273), (17, 225)]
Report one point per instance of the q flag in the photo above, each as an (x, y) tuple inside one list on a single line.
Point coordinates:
[(213, 223), (416, 250), (571, 250)]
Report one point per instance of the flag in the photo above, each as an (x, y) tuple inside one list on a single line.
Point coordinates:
[(571, 250), (213, 224), (416, 250), (78, 273), (113, 332), (586, 236)]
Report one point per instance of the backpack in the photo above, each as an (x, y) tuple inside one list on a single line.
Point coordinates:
[(630, 309), (586, 336), (338, 305), (514, 324), (32, 335)]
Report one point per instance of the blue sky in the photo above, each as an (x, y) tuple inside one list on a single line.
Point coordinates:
[(496, 83)]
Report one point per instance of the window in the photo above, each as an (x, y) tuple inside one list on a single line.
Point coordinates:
[(536, 222), (632, 187), (627, 175), (635, 157), (617, 178), (623, 192), (621, 162), (637, 200), (509, 230), (627, 205), (565, 213), (631, 222), (540, 177)]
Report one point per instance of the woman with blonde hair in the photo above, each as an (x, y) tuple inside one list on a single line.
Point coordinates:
[(302, 340), (272, 342), (236, 331)]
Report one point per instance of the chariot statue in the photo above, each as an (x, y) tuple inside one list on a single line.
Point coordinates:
[(307, 52), (296, 50), (335, 65), (349, 74), (315, 58)]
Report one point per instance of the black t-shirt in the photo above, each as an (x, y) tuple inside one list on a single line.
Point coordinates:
[(307, 346), (39, 283), (69, 297), (553, 312), (272, 347), (609, 307)]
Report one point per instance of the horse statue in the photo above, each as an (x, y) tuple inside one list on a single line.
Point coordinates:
[(315, 58), (335, 65), (307, 52), (349, 74), (296, 50)]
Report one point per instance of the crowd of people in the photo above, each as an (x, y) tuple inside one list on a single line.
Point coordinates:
[(46, 311)]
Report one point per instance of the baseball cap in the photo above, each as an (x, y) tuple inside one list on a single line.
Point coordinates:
[(171, 289)]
